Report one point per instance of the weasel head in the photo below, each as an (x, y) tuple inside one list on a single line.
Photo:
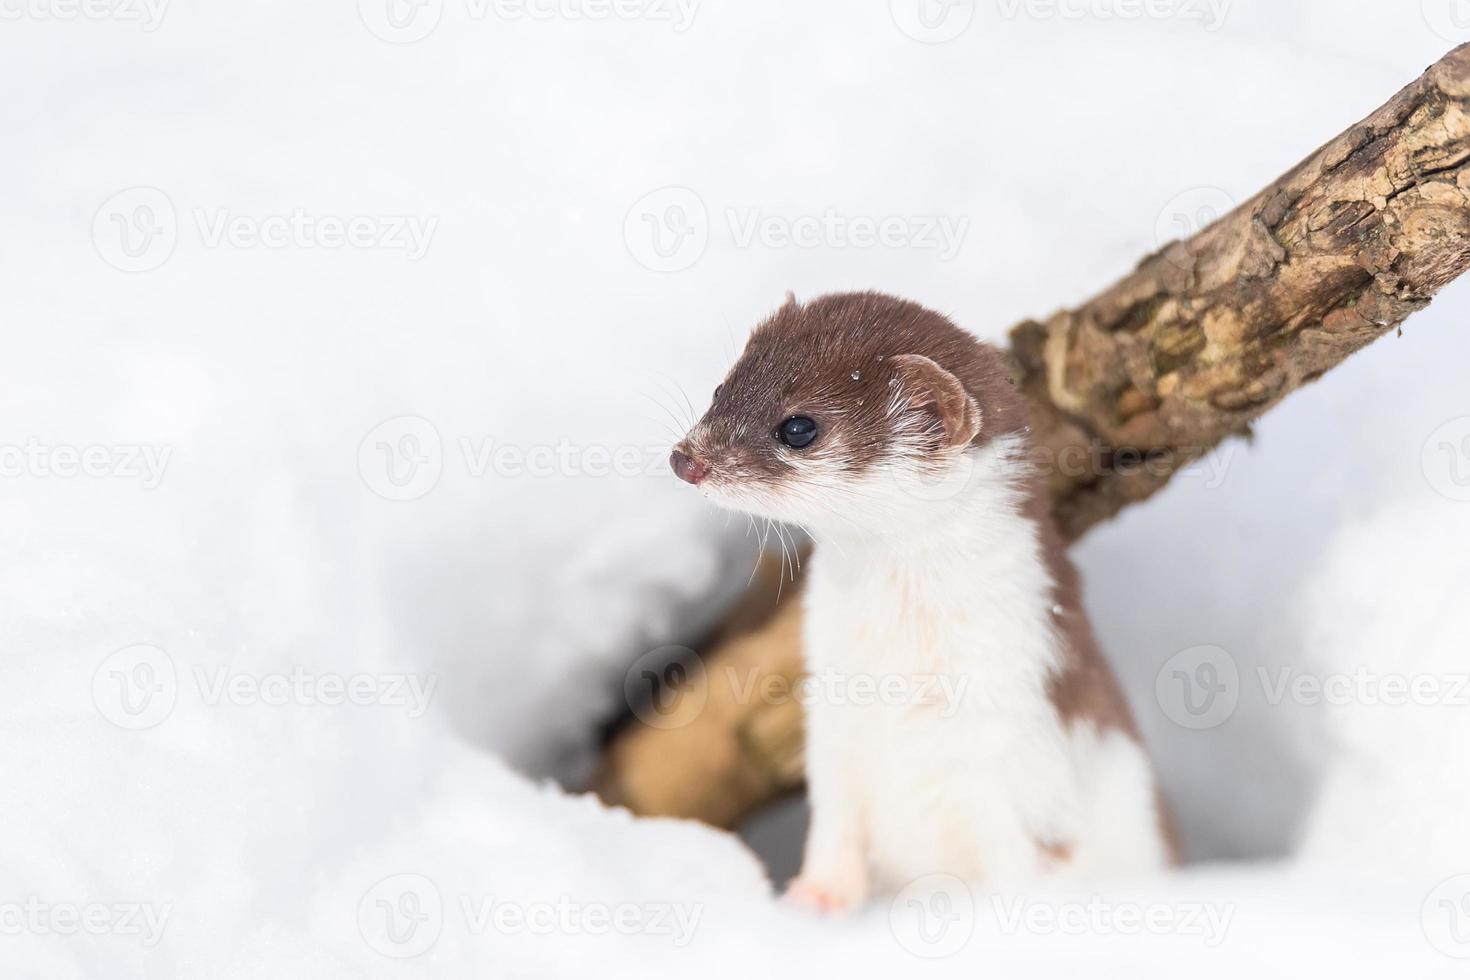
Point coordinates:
[(856, 411)]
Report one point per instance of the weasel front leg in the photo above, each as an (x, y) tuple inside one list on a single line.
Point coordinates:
[(834, 872)]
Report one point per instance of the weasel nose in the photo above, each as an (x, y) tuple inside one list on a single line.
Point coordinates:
[(687, 468)]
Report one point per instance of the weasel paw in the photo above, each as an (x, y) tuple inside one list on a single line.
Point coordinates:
[(821, 897)]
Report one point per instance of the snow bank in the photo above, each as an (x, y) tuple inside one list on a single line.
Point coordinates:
[(1386, 661)]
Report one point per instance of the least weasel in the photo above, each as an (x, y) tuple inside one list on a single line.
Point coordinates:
[(992, 741)]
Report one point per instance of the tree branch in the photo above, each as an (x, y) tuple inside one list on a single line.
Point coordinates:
[(1208, 334)]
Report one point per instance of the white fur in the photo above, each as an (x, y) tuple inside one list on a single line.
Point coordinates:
[(947, 578)]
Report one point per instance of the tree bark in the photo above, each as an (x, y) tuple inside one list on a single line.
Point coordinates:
[(1200, 340)]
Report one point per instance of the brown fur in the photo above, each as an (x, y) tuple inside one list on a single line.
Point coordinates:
[(802, 360), (837, 360)]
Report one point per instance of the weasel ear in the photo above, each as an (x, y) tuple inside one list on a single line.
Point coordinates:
[(927, 387)]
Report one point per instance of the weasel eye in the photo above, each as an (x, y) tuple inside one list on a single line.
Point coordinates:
[(797, 432)]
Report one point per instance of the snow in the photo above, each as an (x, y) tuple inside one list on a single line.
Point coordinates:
[(364, 677)]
